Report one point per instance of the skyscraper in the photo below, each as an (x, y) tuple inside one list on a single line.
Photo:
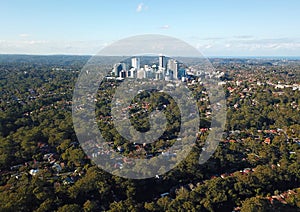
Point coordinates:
[(173, 66), (118, 68), (122, 74), (141, 73), (132, 73), (136, 63), (162, 61)]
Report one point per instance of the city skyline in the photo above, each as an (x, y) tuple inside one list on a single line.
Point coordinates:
[(166, 69), (215, 28)]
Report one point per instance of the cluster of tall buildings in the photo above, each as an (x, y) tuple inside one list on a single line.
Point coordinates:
[(166, 69)]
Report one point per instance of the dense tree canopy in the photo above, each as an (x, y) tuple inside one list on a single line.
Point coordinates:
[(256, 166)]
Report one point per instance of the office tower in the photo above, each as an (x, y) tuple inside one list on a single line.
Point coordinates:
[(123, 74), (162, 61), (173, 66), (168, 76), (132, 73), (159, 75), (141, 73), (136, 63), (149, 72), (118, 68)]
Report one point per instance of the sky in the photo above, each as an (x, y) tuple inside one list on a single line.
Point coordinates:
[(214, 27)]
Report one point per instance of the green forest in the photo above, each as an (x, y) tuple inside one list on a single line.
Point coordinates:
[(256, 166)]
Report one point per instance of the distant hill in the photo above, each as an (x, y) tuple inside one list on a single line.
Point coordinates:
[(44, 59)]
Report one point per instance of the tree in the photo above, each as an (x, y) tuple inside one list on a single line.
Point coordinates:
[(89, 206), (70, 207), (255, 204)]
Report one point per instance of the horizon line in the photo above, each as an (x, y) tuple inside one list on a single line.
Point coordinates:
[(209, 56)]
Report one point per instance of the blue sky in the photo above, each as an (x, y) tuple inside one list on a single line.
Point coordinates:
[(215, 27)]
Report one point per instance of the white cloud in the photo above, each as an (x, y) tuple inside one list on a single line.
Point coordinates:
[(250, 46), (140, 7), (165, 26), (244, 37), (24, 35), (227, 46), (34, 42), (50, 47)]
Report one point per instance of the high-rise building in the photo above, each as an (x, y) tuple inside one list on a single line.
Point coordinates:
[(132, 73), (173, 66), (123, 74), (136, 63), (168, 76), (149, 72), (118, 68), (162, 61), (141, 73), (159, 75)]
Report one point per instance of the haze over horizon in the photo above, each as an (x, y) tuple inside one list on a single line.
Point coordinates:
[(234, 28)]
